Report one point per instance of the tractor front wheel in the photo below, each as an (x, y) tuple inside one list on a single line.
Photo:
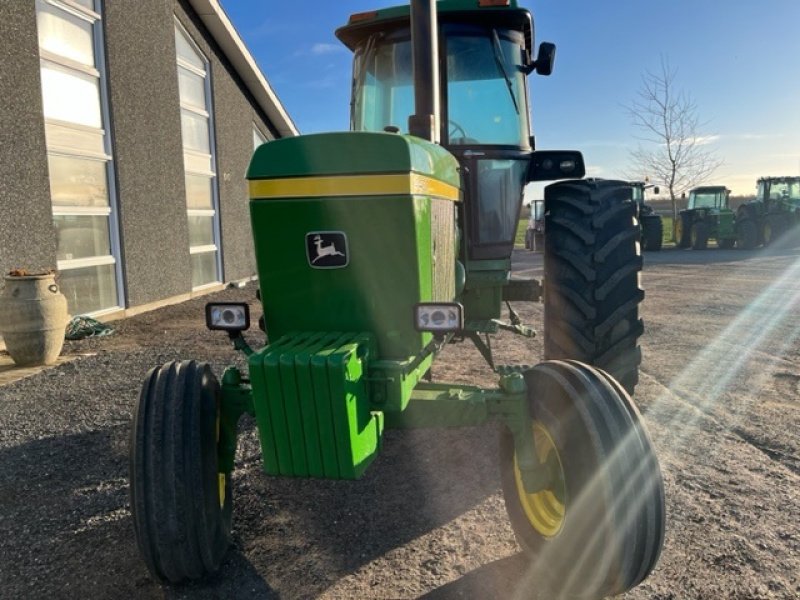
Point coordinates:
[(699, 236), (652, 232), (746, 234), (591, 270), (597, 528), (683, 231), (181, 504)]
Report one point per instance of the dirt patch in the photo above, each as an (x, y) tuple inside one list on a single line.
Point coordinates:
[(718, 391)]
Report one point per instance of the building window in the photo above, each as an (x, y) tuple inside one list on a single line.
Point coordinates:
[(258, 137), (79, 153), (198, 159)]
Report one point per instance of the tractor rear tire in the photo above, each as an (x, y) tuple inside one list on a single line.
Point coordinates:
[(597, 529), (181, 505), (652, 233), (591, 268), (683, 230), (699, 236), (746, 234)]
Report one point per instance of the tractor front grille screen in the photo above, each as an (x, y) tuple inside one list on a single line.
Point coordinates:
[(443, 240)]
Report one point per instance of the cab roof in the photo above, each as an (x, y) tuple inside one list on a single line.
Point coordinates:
[(501, 13), (704, 189)]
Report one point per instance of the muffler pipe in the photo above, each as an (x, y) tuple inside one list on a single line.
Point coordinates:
[(424, 122)]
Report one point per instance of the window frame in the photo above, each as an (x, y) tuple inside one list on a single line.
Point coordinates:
[(111, 211), (212, 173)]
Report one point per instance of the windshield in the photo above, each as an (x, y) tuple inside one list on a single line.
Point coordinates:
[(486, 101), (709, 199), (785, 190), (486, 98), (383, 93)]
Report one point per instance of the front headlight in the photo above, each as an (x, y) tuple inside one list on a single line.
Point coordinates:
[(439, 317), (227, 316)]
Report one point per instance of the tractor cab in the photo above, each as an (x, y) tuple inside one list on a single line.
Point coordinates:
[(779, 189), (706, 216), (709, 197), (482, 104), (652, 226)]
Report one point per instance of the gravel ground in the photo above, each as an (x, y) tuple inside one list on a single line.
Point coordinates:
[(720, 390)]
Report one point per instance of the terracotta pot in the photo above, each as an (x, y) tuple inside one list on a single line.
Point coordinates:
[(33, 316)]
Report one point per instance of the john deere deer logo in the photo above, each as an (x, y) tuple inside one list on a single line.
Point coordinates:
[(326, 249)]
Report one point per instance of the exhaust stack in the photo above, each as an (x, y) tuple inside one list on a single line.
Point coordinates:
[(424, 122)]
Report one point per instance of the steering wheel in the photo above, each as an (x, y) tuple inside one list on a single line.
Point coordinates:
[(455, 131), (457, 136)]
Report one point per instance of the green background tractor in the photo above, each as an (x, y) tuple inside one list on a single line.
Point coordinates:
[(375, 249), (773, 214), (651, 224), (706, 216), (534, 233)]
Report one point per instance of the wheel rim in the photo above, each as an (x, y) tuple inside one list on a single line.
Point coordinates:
[(221, 478), (544, 511)]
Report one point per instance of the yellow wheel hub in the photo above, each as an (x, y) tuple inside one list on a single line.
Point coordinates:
[(544, 510), (221, 477)]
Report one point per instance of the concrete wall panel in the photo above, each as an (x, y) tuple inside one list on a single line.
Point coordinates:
[(27, 235), (145, 106)]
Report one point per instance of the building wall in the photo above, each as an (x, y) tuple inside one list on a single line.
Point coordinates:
[(147, 148), (146, 126), (234, 116), (27, 236)]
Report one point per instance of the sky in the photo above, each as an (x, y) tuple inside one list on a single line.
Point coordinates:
[(739, 60)]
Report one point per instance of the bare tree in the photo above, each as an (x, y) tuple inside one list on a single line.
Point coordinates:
[(672, 150)]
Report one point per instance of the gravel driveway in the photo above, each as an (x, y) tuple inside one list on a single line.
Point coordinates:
[(720, 389)]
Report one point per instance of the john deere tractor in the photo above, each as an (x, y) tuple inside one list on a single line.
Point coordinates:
[(774, 214), (375, 249), (651, 223), (706, 215)]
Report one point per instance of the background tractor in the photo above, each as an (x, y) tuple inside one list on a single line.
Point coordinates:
[(375, 249), (534, 234), (706, 215), (651, 224), (773, 214)]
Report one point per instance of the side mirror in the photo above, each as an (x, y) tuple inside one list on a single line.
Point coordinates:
[(545, 59), (549, 165)]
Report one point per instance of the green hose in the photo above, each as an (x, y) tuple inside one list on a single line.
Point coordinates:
[(81, 327)]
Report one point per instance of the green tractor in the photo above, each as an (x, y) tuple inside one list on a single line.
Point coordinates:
[(706, 215), (774, 214), (534, 234), (377, 248), (652, 226)]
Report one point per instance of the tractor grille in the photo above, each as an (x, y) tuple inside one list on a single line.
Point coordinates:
[(443, 251)]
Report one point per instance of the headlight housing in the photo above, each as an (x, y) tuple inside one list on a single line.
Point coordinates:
[(439, 317), (228, 316)]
